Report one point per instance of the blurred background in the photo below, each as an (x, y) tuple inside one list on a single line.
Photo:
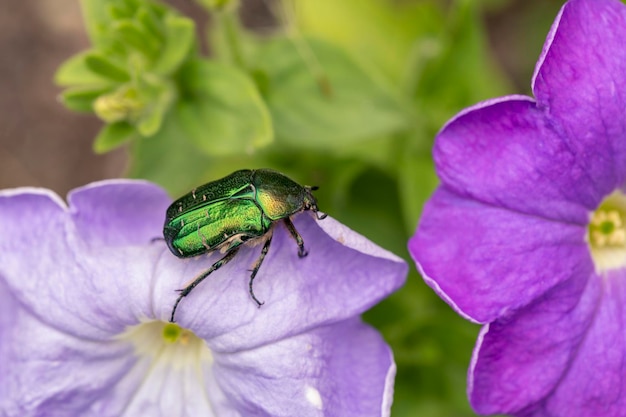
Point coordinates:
[(45, 145), (466, 51)]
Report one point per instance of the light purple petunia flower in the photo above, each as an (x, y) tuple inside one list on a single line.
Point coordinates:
[(85, 295), (526, 232)]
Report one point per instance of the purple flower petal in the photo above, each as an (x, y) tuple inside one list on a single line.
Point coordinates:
[(461, 246), (580, 83), (521, 358), (505, 239), (85, 335), (335, 281), (506, 153), (118, 212), (594, 383), (312, 383), (50, 371), (69, 282)]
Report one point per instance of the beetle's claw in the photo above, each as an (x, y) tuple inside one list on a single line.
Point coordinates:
[(302, 253)]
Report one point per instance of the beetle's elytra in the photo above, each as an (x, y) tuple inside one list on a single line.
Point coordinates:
[(224, 214)]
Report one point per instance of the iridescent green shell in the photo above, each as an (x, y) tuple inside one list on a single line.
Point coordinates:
[(225, 213)]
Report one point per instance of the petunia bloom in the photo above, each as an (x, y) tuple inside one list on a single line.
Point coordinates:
[(526, 233), (86, 292)]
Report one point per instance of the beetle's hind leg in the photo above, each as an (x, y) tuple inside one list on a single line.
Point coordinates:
[(294, 233), (257, 265), (217, 265)]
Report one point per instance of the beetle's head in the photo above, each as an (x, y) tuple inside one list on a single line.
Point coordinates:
[(310, 203)]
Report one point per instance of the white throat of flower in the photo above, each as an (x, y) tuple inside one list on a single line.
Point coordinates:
[(606, 233), (168, 345)]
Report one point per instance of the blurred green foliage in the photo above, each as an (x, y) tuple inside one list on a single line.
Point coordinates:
[(346, 94)]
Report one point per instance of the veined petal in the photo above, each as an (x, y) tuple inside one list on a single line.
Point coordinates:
[(580, 84), (118, 212), (594, 383), (324, 376), (486, 260), (520, 359), (343, 275), (51, 371), (84, 334), (506, 153), (91, 289)]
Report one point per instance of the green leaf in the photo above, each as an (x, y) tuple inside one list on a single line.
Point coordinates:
[(81, 98), (132, 34), (320, 97), (168, 159), (75, 71), (102, 66), (157, 100), (221, 109), (96, 17), (113, 135), (150, 22), (179, 39)]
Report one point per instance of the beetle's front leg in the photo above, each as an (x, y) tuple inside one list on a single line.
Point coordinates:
[(294, 233), (257, 265), (217, 265)]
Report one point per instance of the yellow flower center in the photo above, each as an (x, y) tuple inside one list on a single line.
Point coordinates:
[(606, 234)]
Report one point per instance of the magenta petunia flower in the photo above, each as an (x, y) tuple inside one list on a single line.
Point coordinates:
[(527, 231), (85, 295)]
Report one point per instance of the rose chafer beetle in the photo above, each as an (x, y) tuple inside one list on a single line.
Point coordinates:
[(224, 214)]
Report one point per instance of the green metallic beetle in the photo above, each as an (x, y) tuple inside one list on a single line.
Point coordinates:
[(226, 213)]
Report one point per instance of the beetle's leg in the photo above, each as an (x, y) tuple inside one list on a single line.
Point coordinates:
[(294, 233), (257, 265), (217, 265), (157, 239)]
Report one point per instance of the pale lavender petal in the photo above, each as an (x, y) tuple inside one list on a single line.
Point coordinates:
[(51, 371), (334, 282), (521, 358), (485, 260), (345, 369), (85, 289), (93, 278), (580, 83), (118, 212)]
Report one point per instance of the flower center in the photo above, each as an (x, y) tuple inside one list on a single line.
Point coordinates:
[(168, 344), (606, 233)]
